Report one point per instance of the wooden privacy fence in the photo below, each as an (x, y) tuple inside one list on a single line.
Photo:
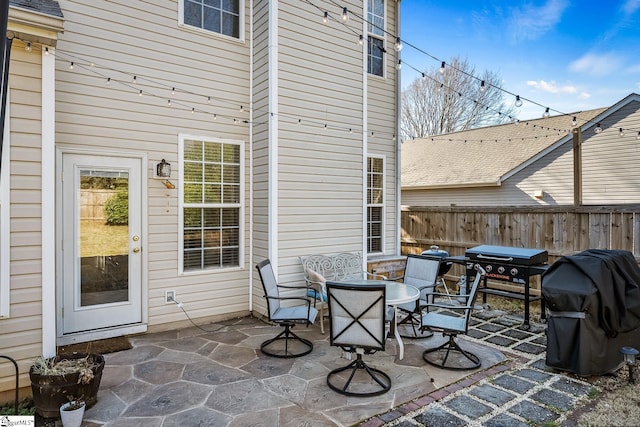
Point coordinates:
[(559, 230)]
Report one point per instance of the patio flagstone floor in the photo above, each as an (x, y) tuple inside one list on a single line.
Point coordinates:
[(219, 377)]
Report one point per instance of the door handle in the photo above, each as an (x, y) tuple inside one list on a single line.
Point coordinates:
[(136, 250)]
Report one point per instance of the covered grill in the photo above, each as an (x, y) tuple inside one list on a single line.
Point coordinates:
[(509, 264), (594, 310)]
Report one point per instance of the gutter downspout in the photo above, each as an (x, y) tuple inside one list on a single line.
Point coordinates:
[(365, 145), (398, 142), (251, 260), (272, 209)]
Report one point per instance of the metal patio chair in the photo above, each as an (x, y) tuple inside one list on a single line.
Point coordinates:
[(420, 271), (288, 317), (451, 320), (357, 316)]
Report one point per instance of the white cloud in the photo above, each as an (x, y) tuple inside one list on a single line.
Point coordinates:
[(552, 87), (596, 65), (630, 6), (584, 95), (530, 22)]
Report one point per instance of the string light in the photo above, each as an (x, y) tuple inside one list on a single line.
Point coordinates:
[(208, 100), (574, 122), (546, 113), (140, 93), (135, 79), (345, 15), (27, 47), (442, 67), (108, 81), (241, 109), (598, 129), (325, 19), (482, 86), (46, 51), (398, 45), (518, 101), (621, 132), (399, 65), (168, 102), (173, 91), (71, 66), (638, 135), (361, 40)]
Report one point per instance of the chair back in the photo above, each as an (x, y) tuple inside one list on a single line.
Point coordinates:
[(357, 315), (421, 270), (473, 293), (348, 266), (270, 286)]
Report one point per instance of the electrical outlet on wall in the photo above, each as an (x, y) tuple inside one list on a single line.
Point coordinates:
[(169, 296)]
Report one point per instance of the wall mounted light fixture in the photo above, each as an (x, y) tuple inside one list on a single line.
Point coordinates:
[(163, 169)]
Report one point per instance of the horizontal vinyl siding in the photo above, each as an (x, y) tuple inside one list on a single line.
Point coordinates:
[(123, 39), (320, 170), (22, 331), (610, 163)]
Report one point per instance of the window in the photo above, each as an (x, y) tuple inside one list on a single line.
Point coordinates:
[(219, 16), (211, 204), (375, 40), (375, 203)]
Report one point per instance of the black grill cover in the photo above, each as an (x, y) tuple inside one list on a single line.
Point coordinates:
[(594, 309)]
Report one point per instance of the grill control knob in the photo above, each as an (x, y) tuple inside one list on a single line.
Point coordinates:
[(488, 268), (514, 271), (501, 269)]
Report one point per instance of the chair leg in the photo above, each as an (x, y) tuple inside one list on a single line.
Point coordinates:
[(409, 327), (287, 335), (381, 379), (450, 346)]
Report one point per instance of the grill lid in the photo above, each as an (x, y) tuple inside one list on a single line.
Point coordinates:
[(507, 254)]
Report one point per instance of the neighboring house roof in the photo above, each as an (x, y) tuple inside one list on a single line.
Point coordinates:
[(45, 7), (483, 156)]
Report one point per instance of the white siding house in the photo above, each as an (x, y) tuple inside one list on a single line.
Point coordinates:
[(532, 163), (273, 124)]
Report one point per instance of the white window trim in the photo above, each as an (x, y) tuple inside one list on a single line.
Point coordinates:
[(382, 205), (204, 31), (382, 37), (241, 249), (5, 222)]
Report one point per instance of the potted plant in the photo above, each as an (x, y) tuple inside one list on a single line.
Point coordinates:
[(72, 412), (55, 378)]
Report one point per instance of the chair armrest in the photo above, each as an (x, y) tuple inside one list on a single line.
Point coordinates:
[(306, 300), (395, 279)]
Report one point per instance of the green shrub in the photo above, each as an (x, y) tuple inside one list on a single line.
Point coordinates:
[(116, 209), (25, 407)]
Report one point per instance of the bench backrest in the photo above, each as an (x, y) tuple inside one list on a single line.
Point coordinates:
[(335, 267)]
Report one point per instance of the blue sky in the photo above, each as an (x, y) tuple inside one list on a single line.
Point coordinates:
[(569, 55)]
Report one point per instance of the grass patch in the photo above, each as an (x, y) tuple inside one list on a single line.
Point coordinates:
[(98, 238)]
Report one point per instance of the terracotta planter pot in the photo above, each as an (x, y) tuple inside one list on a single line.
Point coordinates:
[(50, 392)]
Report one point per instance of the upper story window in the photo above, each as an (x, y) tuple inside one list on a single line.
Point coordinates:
[(219, 16), (375, 29), (211, 204)]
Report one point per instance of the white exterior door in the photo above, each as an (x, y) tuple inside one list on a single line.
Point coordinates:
[(101, 279)]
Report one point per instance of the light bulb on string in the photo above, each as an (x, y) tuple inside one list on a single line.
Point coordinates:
[(108, 81), (325, 18), (638, 136), (518, 101), (140, 93), (424, 77), (574, 122), (193, 110), (71, 66), (621, 133), (46, 51), (482, 86), (399, 65), (442, 67), (215, 117), (208, 100), (168, 102), (27, 47), (345, 15), (546, 113), (597, 129), (135, 79), (361, 40), (242, 109), (173, 91), (398, 45)]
